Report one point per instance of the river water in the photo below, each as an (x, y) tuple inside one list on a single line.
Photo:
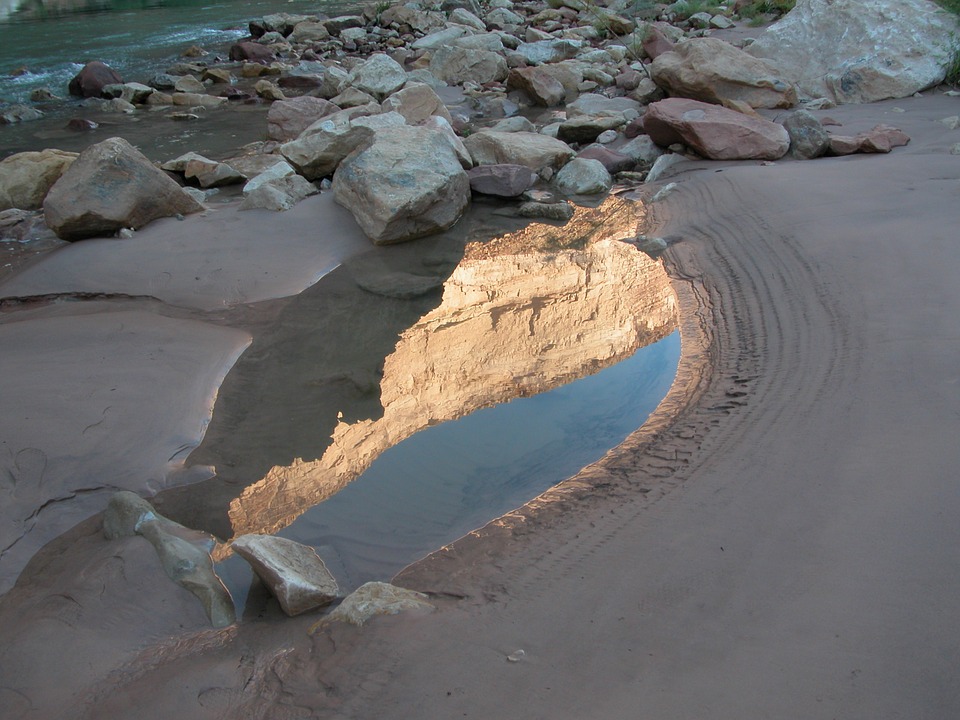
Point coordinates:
[(567, 351)]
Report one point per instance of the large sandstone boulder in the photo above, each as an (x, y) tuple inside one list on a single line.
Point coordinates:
[(286, 119), (91, 80), (408, 183), (548, 51), (852, 51), (540, 86), (25, 178), (536, 151), (714, 71), (715, 132), (184, 553), (110, 186), (321, 147), (294, 573)]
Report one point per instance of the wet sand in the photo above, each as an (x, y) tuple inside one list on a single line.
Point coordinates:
[(779, 540)]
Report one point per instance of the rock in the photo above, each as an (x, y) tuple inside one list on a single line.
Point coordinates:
[(209, 173), (416, 103), (808, 139), (322, 146), (279, 195), (82, 124), (535, 151), (881, 139), (379, 75), (309, 31), (267, 90), (548, 51), (517, 123), (162, 81), (90, 80), (25, 178), (715, 132), (375, 598), (19, 113), (502, 18), (111, 185), (189, 84), (24, 226), (561, 211), (663, 165), (654, 42), (440, 38), (642, 150), (198, 100), (43, 94), (611, 160), (251, 52), (541, 87), (132, 92), (286, 119), (184, 553), (852, 52), (353, 97), (594, 104), (503, 180), (461, 16), (179, 164), (408, 183), (586, 128), (294, 573), (455, 65), (714, 71), (441, 125), (582, 176), (610, 22)]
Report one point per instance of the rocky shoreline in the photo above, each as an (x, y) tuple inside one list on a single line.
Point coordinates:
[(530, 104)]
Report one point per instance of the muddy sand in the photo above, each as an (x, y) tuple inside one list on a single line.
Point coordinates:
[(779, 540)]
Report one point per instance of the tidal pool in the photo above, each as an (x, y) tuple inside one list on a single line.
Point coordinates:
[(547, 347)]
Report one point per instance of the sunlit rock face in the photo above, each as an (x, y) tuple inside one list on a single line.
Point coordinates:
[(521, 314)]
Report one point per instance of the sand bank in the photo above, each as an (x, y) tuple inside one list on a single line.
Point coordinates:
[(778, 541)]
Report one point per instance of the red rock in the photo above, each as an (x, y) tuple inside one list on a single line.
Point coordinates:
[(543, 89), (656, 43), (715, 132), (251, 52), (90, 81), (611, 160)]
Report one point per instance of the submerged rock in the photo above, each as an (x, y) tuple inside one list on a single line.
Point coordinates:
[(294, 573), (184, 553), (375, 598)]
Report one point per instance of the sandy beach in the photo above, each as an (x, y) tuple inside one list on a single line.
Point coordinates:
[(777, 541)]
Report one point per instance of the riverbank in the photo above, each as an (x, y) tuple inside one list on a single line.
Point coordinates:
[(779, 536)]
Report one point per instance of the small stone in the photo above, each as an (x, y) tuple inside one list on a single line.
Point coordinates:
[(952, 122), (375, 598), (516, 656)]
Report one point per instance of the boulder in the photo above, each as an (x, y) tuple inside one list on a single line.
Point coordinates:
[(189, 84), (586, 128), (210, 173), (654, 42), (715, 132), (583, 176), (286, 119), (198, 100), (559, 211), (454, 65), (90, 81), (440, 38), (379, 75), (642, 150), (25, 178), (442, 126), (594, 104), (714, 71), (881, 139), (251, 52), (278, 194), (110, 186), (416, 103), (184, 553), (407, 184), (309, 31), (461, 16), (548, 51), (808, 139), (375, 598), (294, 573), (541, 87), (611, 160), (535, 151), (504, 180), (855, 52), (320, 148)]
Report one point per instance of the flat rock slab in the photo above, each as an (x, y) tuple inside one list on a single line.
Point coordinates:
[(294, 573)]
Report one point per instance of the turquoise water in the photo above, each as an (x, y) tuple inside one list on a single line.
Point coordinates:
[(135, 37)]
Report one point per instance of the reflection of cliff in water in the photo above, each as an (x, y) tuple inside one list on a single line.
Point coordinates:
[(521, 314)]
